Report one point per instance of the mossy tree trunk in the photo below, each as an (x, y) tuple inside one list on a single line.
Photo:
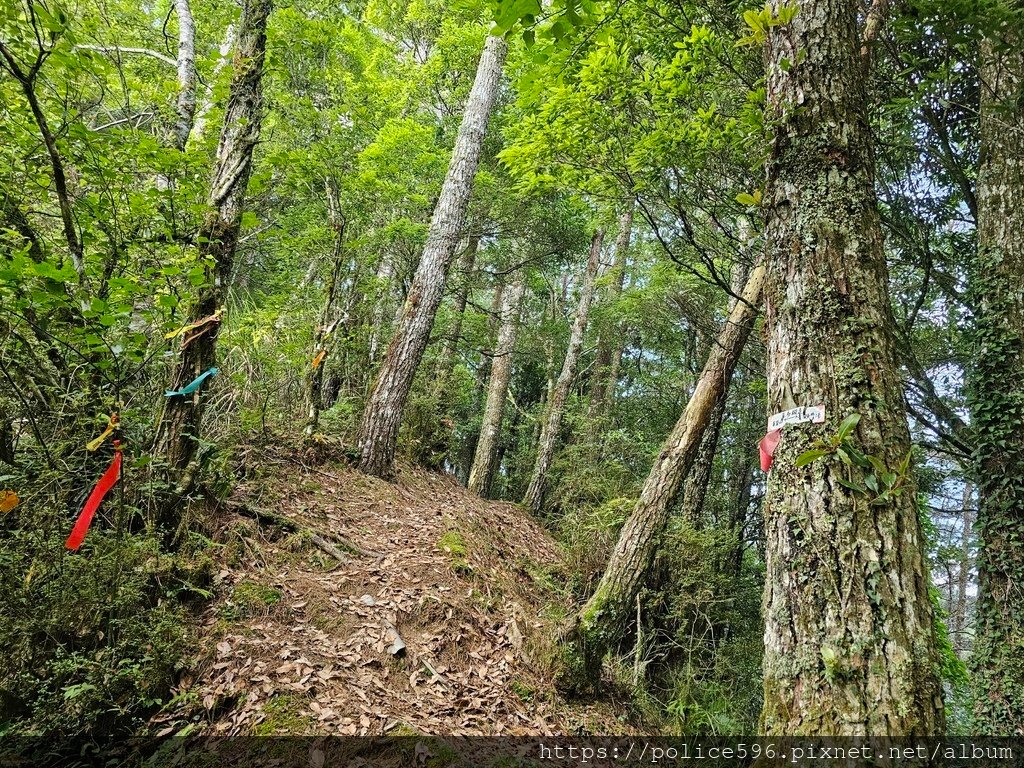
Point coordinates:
[(997, 389), (600, 623), (179, 427), (385, 406), (849, 632), (552, 423)]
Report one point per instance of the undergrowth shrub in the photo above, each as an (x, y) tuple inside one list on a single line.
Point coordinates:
[(92, 640)]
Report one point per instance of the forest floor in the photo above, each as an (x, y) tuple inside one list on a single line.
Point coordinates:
[(298, 642)]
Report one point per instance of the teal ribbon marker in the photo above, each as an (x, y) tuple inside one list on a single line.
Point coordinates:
[(195, 384)]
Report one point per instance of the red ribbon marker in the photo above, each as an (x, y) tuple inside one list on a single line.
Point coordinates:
[(109, 479), (767, 447)]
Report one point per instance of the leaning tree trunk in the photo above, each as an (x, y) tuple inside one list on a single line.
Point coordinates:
[(849, 629), (556, 404), (482, 472), (602, 620), (699, 480), (378, 432), (179, 428), (997, 392), (609, 343)]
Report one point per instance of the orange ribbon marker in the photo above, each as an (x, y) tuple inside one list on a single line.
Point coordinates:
[(319, 358), (8, 501)]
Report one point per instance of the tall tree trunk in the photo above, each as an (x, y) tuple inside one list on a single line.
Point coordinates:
[(482, 472), (385, 276), (556, 404), (199, 125), (695, 490), (849, 628), (378, 432), (609, 343), (179, 428), (451, 345), (599, 624), (998, 407), (958, 612), (325, 326), (185, 108)]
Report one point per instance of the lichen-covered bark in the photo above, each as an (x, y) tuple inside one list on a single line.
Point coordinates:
[(556, 403), (997, 389), (179, 427), (378, 432), (484, 460), (601, 621), (849, 637)]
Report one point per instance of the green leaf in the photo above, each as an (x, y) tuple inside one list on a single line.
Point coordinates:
[(753, 200), (807, 457), (860, 490), (848, 425)]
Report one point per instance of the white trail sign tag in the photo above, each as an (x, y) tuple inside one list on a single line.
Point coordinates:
[(812, 413)]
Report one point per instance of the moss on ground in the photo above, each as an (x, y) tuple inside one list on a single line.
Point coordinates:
[(453, 543)]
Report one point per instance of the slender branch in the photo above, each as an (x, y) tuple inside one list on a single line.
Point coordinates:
[(119, 49)]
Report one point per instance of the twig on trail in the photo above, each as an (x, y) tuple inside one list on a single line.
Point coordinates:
[(434, 672), (327, 547), (272, 518)]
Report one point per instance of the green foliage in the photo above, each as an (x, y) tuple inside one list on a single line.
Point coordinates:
[(760, 21), (878, 485), (93, 640), (711, 607)]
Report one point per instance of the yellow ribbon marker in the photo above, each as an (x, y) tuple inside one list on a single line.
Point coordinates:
[(214, 318), (112, 424), (8, 501)]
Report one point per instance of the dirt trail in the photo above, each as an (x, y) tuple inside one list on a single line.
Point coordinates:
[(297, 643)]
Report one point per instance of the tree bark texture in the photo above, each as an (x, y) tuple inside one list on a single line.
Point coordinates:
[(382, 418), (996, 390), (481, 473), (849, 627), (180, 423), (534, 498), (600, 623)]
